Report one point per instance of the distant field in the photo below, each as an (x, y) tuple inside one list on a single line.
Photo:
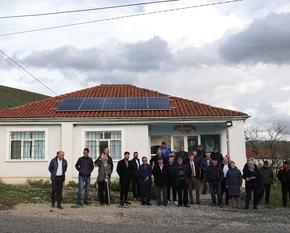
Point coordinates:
[(11, 97)]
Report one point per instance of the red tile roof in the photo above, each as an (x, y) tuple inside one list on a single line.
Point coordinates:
[(180, 107)]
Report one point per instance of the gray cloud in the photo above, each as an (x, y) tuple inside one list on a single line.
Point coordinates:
[(264, 41)]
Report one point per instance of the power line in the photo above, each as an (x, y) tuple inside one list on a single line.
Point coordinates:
[(87, 9), (27, 72), (119, 17)]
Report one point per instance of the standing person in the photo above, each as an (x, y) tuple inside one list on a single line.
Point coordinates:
[(124, 171), (216, 155), (194, 181), (172, 180), (85, 166), (205, 166), (135, 164), (183, 174), (145, 181), (110, 160), (160, 173), (200, 152), (154, 158), (183, 154), (215, 177), (267, 178), (225, 167), (165, 152), (284, 177), (234, 183), (57, 169), (103, 179), (251, 175)]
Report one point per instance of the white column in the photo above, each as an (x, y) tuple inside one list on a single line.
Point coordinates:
[(67, 147), (237, 145)]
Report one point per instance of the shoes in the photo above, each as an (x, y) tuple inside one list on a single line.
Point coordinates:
[(59, 206), (121, 203), (246, 208), (53, 205), (148, 203), (143, 203), (213, 204), (86, 203), (179, 205), (127, 202), (79, 203), (198, 203), (221, 205), (187, 206), (255, 207)]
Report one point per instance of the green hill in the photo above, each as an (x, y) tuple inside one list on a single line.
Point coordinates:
[(11, 97)]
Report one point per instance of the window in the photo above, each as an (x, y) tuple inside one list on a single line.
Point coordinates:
[(97, 141), (192, 143), (27, 145), (177, 141), (210, 141), (156, 142)]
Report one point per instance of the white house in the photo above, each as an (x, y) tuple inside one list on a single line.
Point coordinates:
[(122, 117)]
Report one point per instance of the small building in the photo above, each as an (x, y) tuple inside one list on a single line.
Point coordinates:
[(121, 117)]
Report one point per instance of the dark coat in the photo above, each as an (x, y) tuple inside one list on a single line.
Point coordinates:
[(255, 177), (215, 174), (98, 161), (234, 182), (135, 169), (124, 172), (53, 165), (81, 166), (267, 175), (185, 170), (217, 156), (284, 177), (172, 174), (145, 171), (154, 160), (198, 169), (160, 177)]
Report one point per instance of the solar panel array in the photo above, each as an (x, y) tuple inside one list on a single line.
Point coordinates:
[(114, 104)]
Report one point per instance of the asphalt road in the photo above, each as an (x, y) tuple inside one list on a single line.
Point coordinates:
[(146, 220)]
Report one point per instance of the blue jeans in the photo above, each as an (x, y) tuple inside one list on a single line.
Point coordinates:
[(215, 190), (84, 183)]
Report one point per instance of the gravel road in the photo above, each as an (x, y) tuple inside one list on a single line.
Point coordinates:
[(34, 218)]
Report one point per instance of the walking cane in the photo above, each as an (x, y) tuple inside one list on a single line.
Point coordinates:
[(108, 189)]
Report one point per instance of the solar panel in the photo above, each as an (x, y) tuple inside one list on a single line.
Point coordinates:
[(114, 104)]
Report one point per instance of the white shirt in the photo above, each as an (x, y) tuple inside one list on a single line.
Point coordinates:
[(59, 167), (225, 170), (192, 166), (137, 164)]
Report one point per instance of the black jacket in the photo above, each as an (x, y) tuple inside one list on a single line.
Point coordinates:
[(160, 177), (217, 156), (215, 174), (124, 172), (267, 175), (172, 174), (85, 166), (182, 154), (183, 173), (255, 177), (53, 165), (135, 168), (110, 161), (284, 177)]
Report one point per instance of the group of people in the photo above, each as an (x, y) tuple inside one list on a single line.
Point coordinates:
[(176, 176)]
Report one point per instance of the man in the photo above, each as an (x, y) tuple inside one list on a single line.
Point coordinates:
[(225, 167), (135, 164), (103, 179), (160, 173), (145, 181), (183, 174), (154, 158), (124, 171), (57, 169), (267, 178), (215, 177), (172, 180), (284, 177), (183, 154), (251, 175), (110, 160), (194, 181), (165, 152), (216, 155), (205, 166), (85, 166)]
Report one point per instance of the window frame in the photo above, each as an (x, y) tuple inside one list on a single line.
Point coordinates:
[(22, 159)]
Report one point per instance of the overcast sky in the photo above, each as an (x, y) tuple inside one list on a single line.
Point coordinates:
[(235, 56)]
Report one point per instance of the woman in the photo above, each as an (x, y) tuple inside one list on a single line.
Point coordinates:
[(234, 182)]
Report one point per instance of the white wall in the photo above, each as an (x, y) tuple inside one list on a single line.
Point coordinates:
[(20, 171), (237, 146)]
